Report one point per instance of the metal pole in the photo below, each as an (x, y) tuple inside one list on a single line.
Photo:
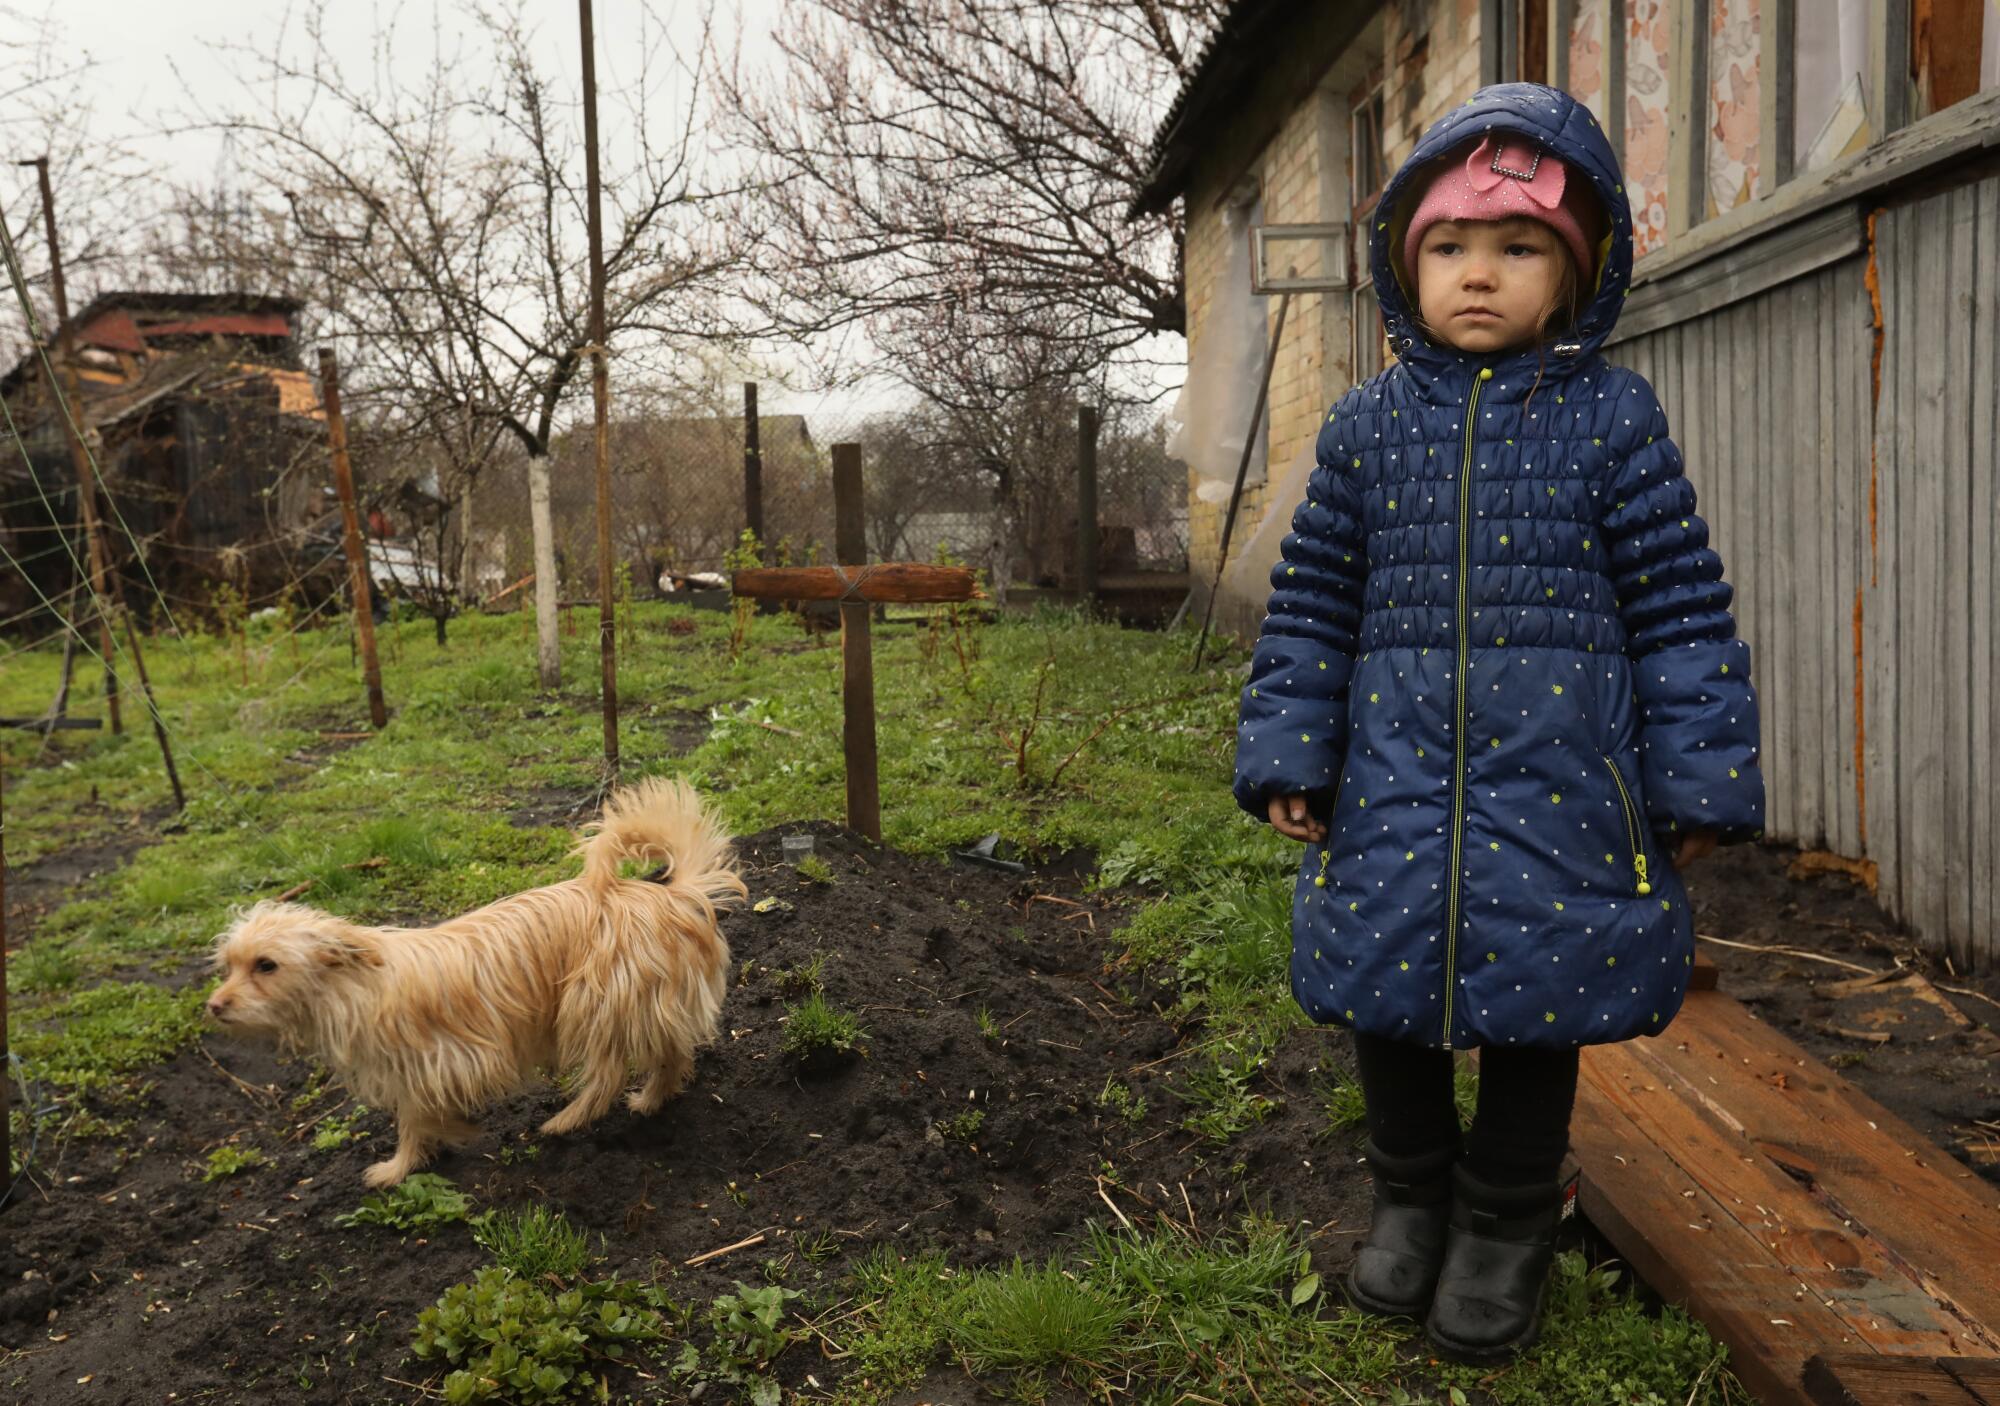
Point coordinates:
[(357, 562), (86, 475), (600, 394), (1086, 501), (753, 465)]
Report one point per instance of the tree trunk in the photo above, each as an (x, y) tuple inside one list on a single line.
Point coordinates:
[(440, 619), (468, 557), (549, 651)]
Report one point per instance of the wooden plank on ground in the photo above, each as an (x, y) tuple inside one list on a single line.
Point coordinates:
[(1685, 1244), (1868, 1380), (1860, 1160), (1787, 1211)]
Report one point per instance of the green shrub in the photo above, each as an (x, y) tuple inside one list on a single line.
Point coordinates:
[(230, 1160), (510, 1341), (415, 1203)]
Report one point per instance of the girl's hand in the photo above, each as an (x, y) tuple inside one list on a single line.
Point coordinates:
[(1696, 844), (1290, 816)]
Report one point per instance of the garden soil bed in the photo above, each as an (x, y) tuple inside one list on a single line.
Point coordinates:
[(125, 1278)]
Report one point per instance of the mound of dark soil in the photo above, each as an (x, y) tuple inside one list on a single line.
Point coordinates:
[(972, 1122)]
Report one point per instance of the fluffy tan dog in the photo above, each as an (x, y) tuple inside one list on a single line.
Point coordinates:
[(597, 975)]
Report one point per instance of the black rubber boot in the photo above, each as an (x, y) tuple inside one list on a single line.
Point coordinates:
[(1488, 1303), (1396, 1267)]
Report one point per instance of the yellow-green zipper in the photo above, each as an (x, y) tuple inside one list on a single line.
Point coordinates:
[(1458, 728), (1326, 855), (1632, 831)]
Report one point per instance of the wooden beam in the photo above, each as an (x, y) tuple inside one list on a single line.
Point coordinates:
[(857, 690), (901, 582), (357, 560), (1743, 1179), (1862, 1379)]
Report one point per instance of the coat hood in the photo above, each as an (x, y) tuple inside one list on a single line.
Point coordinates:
[(1562, 126)]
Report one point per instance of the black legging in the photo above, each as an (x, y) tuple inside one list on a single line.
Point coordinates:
[(1520, 1131)]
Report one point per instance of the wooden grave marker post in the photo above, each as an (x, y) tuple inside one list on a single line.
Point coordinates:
[(857, 586)]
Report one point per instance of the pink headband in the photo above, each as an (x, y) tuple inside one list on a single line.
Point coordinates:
[(1502, 177)]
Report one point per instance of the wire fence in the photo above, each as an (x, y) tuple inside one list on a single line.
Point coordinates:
[(682, 496), (228, 506)]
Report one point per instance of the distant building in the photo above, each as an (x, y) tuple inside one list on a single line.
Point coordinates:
[(206, 432)]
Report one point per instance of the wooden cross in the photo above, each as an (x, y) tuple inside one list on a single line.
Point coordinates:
[(857, 587)]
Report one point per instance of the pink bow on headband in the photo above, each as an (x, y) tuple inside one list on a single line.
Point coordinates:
[(1521, 162)]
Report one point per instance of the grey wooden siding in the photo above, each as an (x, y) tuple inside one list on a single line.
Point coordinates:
[(1769, 398)]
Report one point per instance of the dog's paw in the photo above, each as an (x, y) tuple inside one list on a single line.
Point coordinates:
[(384, 1174), (645, 1101), (566, 1122)]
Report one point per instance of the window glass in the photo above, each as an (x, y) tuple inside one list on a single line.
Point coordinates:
[(1646, 33), (1734, 51), (1586, 56), (1830, 84)]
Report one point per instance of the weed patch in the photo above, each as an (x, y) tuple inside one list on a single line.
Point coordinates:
[(508, 1340), (418, 1202), (815, 1031), (535, 1244)]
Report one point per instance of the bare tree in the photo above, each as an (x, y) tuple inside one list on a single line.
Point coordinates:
[(97, 180), (439, 224), (922, 156)]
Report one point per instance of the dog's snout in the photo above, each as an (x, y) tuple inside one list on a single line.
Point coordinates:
[(217, 1004)]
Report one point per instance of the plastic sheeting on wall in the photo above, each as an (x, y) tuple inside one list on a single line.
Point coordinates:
[(1246, 580), (1225, 363)]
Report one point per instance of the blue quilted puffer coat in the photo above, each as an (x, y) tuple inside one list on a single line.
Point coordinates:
[(1499, 661)]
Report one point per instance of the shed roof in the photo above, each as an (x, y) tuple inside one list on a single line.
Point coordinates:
[(1229, 59)]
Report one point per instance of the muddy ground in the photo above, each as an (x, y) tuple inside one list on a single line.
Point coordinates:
[(125, 1268), (125, 1278)]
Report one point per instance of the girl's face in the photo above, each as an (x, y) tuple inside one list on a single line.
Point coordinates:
[(1483, 285)]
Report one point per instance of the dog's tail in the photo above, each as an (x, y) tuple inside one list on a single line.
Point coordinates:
[(663, 821)]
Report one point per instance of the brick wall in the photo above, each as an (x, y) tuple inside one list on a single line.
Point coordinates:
[(1429, 54)]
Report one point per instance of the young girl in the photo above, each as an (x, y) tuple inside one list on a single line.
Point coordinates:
[(1500, 697)]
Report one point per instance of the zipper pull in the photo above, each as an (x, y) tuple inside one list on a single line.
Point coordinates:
[(1639, 863)]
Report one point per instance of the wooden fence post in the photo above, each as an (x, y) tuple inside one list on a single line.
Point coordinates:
[(86, 477), (600, 398), (357, 561), (1086, 502), (753, 464), (857, 694)]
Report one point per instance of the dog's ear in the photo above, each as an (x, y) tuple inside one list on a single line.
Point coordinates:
[(337, 945)]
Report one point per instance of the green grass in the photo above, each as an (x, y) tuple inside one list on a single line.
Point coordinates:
[(536, 1244), (808, 977), (412, 825), (1164, 1318), (813, 1027)]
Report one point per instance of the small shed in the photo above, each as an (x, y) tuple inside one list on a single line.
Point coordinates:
[(205, 429)]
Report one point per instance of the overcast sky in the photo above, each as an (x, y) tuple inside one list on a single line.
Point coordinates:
[(146, 56)]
